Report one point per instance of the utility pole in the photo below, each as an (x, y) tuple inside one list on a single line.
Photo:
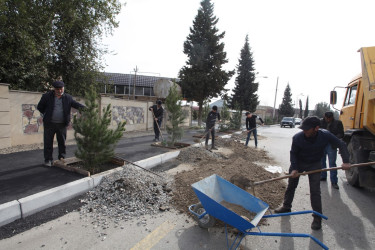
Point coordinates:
[(135, 80), (274, 103)]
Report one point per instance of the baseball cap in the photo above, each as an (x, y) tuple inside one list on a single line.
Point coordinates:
[(247, 113), (158, 102), (58, 84), (310, 122), (328, 114), (214, 107)]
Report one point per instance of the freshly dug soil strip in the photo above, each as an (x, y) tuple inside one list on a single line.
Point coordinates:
[(241, 161)]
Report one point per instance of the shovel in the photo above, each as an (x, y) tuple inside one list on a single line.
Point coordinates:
[(253, 184)]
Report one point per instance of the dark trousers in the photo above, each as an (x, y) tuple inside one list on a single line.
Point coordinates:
[(314, 181), (212, 134), (50, 129), (332, 155), (254, 131), (156, 129)]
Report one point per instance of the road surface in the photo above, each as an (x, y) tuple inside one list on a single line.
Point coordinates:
[(351, 223)]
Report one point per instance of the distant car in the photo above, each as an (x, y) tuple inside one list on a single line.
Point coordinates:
[(287, 122), (297, 121)]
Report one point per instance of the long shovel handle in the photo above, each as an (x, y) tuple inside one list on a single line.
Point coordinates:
[(313, 172)]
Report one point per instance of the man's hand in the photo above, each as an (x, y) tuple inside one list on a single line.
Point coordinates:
[(150, 109), (156, 119), (294, 174), (345, 166), (262, 124)]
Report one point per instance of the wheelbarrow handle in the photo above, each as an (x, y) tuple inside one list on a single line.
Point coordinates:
[(313, 172)]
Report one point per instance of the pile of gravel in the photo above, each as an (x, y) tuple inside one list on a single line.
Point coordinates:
[(124, 195), (195, 154)]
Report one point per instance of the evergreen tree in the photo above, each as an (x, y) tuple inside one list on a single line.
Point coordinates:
[(244, 92), (224, 116), (286, 108), (95, 141), (235, 120), (203, 77), (321, 108), (306, 113), (42, 41), (175, 114), (300, 108)]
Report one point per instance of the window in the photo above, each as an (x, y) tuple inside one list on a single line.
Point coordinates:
[(147, 91), (138, 90), (350, 95), (120, 89)]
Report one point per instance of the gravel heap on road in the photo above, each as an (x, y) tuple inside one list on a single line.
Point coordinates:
[(125, 195)]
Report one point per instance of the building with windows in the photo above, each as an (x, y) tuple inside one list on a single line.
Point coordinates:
[(130, 85)]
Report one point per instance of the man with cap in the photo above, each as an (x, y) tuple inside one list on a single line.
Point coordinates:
[(55, 107), (210, 126), (251, 127), (335, 127), (158, 118), (305, 155)]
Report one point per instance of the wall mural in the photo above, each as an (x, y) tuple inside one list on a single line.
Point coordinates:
[(32, 121), (132, 115)]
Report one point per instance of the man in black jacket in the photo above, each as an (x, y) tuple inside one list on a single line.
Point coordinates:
[(251, 127), (158, 118), (55, 108), (336, 128), (305, 155), (210, 126)]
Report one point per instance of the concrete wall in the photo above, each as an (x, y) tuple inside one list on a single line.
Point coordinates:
[(5, 125), (21, 123)]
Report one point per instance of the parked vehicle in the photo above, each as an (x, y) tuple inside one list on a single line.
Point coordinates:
[(297, 121), (287, 122), (358, 118)]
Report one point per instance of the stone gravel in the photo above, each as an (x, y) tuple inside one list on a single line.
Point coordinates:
[(125, 195)]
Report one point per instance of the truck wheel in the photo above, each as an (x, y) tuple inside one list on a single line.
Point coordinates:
[(206, 221), (352, 175)]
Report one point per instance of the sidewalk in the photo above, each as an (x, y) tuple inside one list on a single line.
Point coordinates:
[(23, 173)]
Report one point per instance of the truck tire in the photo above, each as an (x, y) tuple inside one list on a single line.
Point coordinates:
[(206, 221), (352, 175)]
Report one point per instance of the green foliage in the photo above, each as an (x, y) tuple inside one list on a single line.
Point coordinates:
[(195, 114), (321, 108), (268, 121), (206, 110), (286, 108), (224, 116), (244, 92), (203, 77), (42, 41), (306, 112), (175, 114), (95, 141), (300, 108), (235, 120)]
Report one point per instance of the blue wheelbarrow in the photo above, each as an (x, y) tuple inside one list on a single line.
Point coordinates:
[(213, 190)]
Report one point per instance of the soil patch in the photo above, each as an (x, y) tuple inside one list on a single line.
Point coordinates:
[(240, 210), (242, 161)]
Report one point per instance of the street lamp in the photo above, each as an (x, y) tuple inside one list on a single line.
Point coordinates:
[(274, 103)]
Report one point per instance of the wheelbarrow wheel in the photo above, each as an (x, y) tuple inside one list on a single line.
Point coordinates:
[(206, 221)]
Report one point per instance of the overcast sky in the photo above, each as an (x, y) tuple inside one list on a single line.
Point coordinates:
[(310, 44)]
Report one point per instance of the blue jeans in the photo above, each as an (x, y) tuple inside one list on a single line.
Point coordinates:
[(332, 155), (254, 131)]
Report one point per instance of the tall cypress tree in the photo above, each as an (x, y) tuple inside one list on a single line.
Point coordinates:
[(286, 108), (203, 76), (300, 108), (306, 113), (244, 93)]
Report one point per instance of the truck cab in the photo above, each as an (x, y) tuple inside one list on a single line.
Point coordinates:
[(358, 117)]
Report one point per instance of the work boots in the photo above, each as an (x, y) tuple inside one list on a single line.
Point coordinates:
[(317, 223), (282, 210)]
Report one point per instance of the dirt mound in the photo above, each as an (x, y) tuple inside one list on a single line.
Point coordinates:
[(243, 161)]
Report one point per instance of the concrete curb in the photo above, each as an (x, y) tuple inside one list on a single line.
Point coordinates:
[(29, 205), (37, 202), (9, 212)]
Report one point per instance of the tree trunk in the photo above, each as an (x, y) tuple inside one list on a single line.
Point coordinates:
[(200, 104)]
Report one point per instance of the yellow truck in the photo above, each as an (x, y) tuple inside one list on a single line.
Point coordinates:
[(358, 117)]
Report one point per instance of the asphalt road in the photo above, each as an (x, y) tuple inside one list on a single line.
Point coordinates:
[(23, 173), (351, 222)]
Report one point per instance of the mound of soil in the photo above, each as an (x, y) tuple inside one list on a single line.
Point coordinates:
[(242, 161)]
